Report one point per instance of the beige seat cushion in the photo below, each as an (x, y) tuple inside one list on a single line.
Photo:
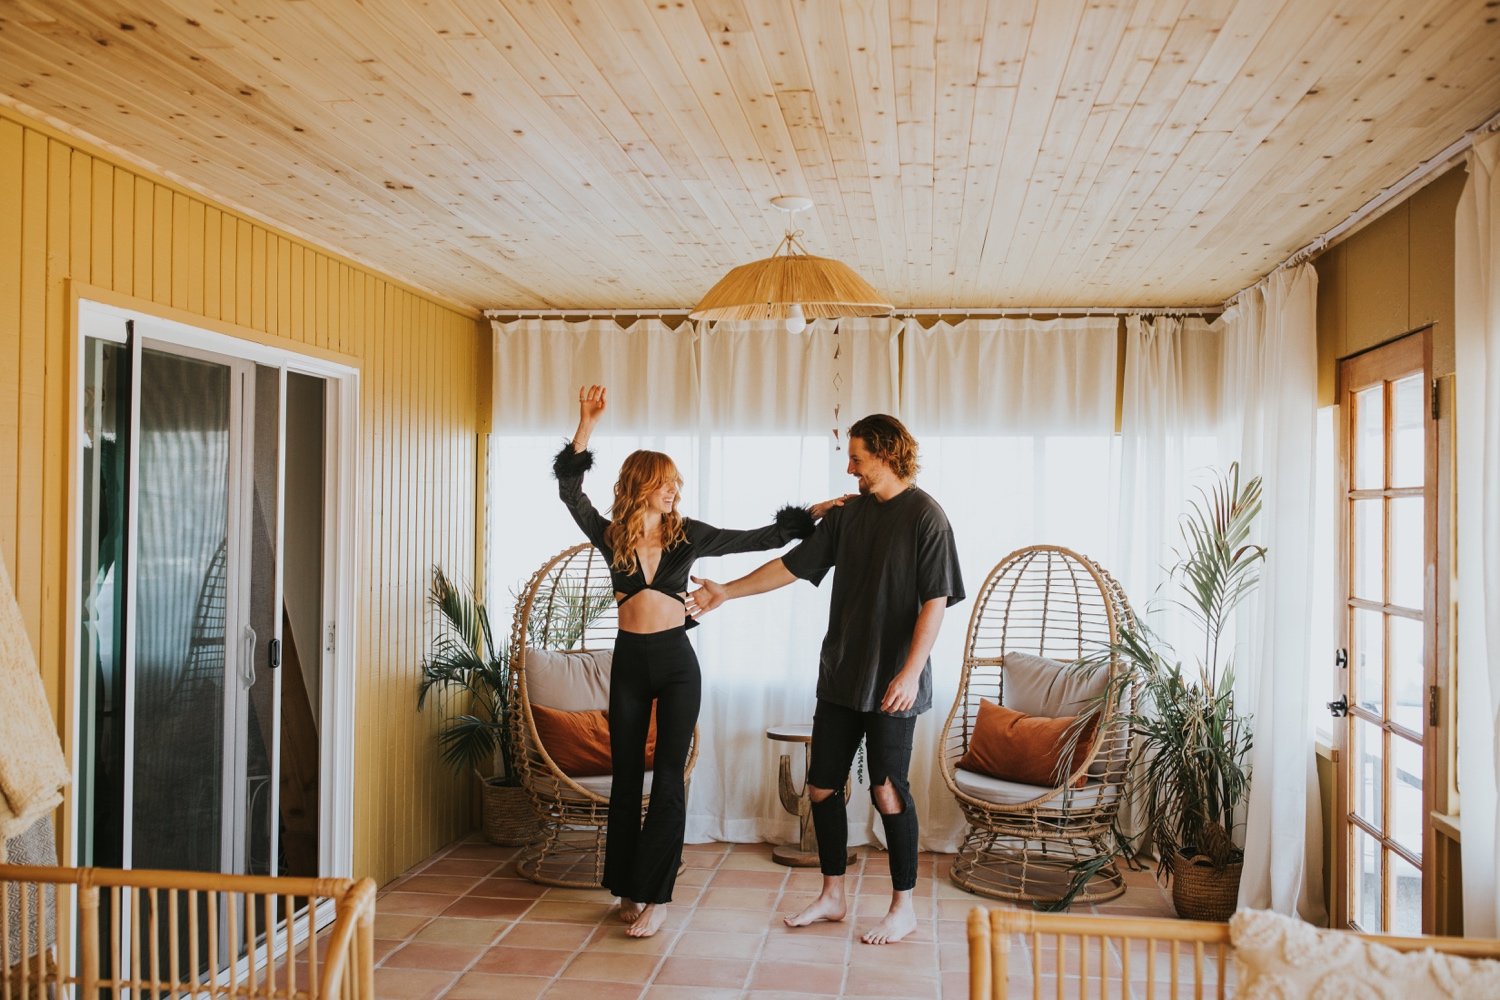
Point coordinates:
[(1282, 957), (1011, 793), (571, 680), (599, 784)]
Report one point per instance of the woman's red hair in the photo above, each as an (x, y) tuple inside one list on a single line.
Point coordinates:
[(641, 473)]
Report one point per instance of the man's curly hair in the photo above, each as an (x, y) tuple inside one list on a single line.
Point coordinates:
[(887, 439)]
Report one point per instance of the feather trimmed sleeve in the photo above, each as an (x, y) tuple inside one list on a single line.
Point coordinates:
[(568, 466), (795, 522)]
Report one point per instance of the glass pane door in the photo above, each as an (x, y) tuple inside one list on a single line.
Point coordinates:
[(185, 699), (1388, 634)]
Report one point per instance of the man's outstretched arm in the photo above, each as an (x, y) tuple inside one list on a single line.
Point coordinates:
[(710, 595)]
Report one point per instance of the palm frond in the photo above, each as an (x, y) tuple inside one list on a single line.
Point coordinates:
[(464, 663)]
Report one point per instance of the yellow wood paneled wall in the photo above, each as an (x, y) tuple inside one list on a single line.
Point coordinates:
[(69, 212), (1391, 277)]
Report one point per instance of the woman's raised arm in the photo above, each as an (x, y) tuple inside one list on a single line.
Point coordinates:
[(591, 403)]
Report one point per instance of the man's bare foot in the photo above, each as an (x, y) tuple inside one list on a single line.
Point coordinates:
[(630, 910), (825, 907), (649, 922), (898, 923)]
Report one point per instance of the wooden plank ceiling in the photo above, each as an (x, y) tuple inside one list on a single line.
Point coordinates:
[(526, 154)]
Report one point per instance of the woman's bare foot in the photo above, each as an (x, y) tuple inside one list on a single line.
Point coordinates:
[(900, 921), (630, 910), (649, 922), (828, 906)]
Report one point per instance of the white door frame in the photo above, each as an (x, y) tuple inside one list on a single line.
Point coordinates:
[(341, 521)]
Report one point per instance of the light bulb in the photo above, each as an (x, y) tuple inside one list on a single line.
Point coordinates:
[(795, 321)]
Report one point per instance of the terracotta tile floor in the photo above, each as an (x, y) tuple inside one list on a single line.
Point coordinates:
[(464, 926)]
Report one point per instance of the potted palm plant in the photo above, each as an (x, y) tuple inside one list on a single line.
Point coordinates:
[(1190, 767), (466, 663)]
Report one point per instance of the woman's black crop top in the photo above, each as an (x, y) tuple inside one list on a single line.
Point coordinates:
[(676, 562)]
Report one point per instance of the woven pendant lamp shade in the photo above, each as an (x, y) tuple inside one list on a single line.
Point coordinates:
[(767, 289)]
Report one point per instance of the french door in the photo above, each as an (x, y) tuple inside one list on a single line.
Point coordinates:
[(1386, 718)]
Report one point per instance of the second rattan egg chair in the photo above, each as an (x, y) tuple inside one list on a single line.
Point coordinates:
[(568, 604), (1024, 840)]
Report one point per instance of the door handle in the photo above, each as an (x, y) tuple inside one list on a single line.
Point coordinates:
[(1339, 708), (247, 662)]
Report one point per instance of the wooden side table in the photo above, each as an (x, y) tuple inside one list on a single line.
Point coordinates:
[(804, 853)]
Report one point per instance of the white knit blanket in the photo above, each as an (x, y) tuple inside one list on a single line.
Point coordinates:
[(33, 771)]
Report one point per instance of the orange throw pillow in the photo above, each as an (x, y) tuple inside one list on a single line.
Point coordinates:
[(578, 742), (1014, 746)]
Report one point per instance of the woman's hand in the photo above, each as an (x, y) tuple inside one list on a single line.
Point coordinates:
[(591, 403), (819, 510)]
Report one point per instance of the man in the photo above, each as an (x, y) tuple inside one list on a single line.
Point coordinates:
[(896, 571)]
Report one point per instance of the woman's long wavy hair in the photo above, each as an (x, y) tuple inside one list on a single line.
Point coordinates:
[(640, 474)]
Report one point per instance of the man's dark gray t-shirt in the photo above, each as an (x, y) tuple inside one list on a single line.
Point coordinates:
[(889, 559)]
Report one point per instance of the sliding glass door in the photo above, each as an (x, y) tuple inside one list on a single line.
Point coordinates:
[(189, 729)]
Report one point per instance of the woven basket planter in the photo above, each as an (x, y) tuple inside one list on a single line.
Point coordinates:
[(1202, 892), (508, 817)]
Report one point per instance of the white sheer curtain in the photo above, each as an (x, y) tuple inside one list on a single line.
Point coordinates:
[(1169, 436), (1169, 433), (1477, 358), (1199, 396), (1270, 396), (540, 363), (1015, 419)]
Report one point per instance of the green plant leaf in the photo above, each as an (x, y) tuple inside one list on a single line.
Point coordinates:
[(464, 664)]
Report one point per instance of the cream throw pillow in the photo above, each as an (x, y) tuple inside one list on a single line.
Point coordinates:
[(1282, 958), (572, 680), (1037, 685)]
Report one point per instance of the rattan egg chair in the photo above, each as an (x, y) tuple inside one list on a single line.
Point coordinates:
[(567, 605), (1023, 840)]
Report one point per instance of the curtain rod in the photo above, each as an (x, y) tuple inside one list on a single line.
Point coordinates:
[(935, 311), (580, 313), (1063, 311), (1384, 199)]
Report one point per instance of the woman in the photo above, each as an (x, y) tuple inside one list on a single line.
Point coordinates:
[(651, 549)]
